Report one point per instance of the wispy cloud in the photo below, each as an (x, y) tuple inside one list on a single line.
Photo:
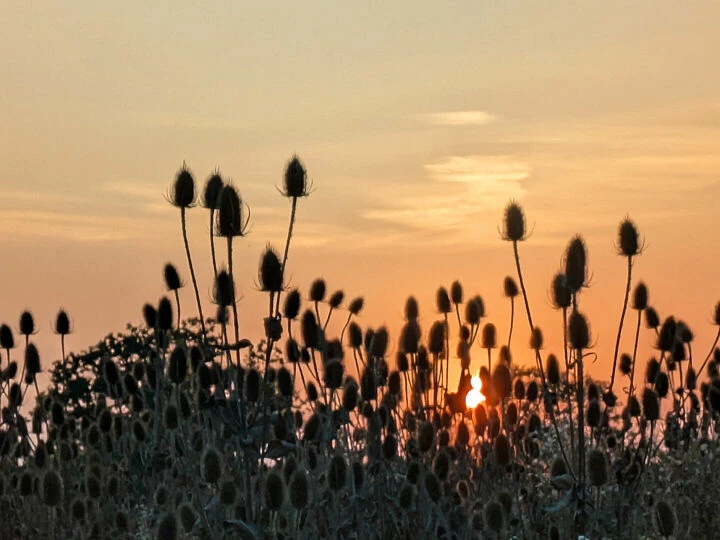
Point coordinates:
[(459, 118)]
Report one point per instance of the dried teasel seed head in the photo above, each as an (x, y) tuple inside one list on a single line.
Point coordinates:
[(172, 278), (32, 360), (410, 337), (274, 491), (224, 289), (285, 382), (271, 271), (691, 379), (666, 338), (578, 331), (628, 239), (412, 310), (182, 193), (664, 519), (165, 314), (337, 473), (150, 316), (334, 371), (253, 380), (652, 319), (552, 369), (510, 288), (406, 497), (493, 516), (489, 336), (356, 305), (502, 381), (211, 193), (350, 395), (318, 290), (379, 342), (355, 335), (432, 486), (640, 297), (442, 300), (336, 299), (662, 384), (456, 292), (7, 341), (536, 339), (513, 223), (299, 490), (177, 365), (576, 264), (230, 220), (597, 468), (594, 413), (436, 340), (310, 330), (625, 364), (651, 405), (474, 310), (561, 293), (167, 528), (291, 307), (295, 179), (211, 465), (27, 324), (52, 488), (501, 450)]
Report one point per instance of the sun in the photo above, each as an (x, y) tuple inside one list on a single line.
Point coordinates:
[(474, 397)]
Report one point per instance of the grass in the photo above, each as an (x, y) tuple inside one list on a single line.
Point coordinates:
[(157, 432)]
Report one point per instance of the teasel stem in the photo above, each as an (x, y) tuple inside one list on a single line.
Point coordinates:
[(712, 349), (527, 309), (567, 382), (236, 324), (62, 348), (212, 244), (622, 320), (634, 356), (287, 248), (512, 312), (192, 272), (447, 353), (177, 302), (581, 442)]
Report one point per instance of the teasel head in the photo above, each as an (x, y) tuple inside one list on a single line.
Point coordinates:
[(52, 488), (501, 450), (594, 413), (456, 292), (350, 394), (502, 381), (7, 340), (629, 243), (442, 301), (182, 192), (412, 310), (662, 384), (576, 264), (165, 314), (536, 339), (578, 331), (510, 288), (625, 364), (664, 519), (177, 365), (432, 485), (666, 338), (652, 319), (597, 468), (493, 517), (295, 181), (410, 337), (474, 310), (513, 223), (552, 369), (640, 297), (379, 342), (336, 299), (211, 465), (274, 491), (489, 336), (167, 527), (532, 391), (224, 290), (561, 293), (253, 380), (232, 216), (355, 306), (436, 341), (651, 405), (291, 307), (32, 362), (150, 316), (310, 330), (211, 193), (27, 324), (337, 473), (334, 371), (270, 273), (318, 288), (299, 490)]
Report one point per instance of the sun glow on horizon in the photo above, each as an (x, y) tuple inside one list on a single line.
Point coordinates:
[(474, 397)]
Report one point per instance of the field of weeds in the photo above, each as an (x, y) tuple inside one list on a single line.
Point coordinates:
[(182, 428)]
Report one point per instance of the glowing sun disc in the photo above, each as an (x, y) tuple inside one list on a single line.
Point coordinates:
[(474, 397)]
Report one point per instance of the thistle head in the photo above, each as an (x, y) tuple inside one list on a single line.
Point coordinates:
[(231, 217), (182, 192), (628, 239), (295, 181), (27, 324), (513, 223), (211, 193), (172, 278), (271, 271)]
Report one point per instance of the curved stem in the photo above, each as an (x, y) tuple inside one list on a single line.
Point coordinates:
[(234, 304), (622, 320), (192, 272), (287, 247), (212, 244), (635, 347), (717, 337), (512, 320), (177, 303)]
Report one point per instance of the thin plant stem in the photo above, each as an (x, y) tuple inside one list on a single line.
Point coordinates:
[(236, 324), (192, 272), (622, 320), (512, 319), (634, 356)]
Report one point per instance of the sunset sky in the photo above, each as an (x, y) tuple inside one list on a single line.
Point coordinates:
[(417, 122)]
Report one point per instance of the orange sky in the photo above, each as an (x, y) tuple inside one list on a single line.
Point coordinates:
[(417, 123)]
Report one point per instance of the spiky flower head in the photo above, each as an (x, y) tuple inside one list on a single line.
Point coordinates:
[(436, 341), (536, 339), (628, 239), (640, 297), (27, 324), (7, 341), (32, 361), (271, 271), (231, 220), (652, 319), (666, 337), (211, 193), (52, 488), (442, 300), (172, 278), (651, 405), (510, 288), (317, 290), (625, 364), (224, 290), (356, 305), (456, 292), (337, 473), (291, 307), (165, 314), (182, 193), (295, 181), (336, 299), (552, 369), (299, 490), (474, 310), (513, 223), (62, 323), (211, 465), (150, 315), (412, 311), (274, 491), (576, 264)]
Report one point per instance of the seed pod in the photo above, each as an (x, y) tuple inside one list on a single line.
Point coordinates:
[(412, 311), (652, 319), (664, 518), (270, 274), (691, 379), (337, 473), (651, 405), (62, 323), (52, 488), (436, 341), (230, 220), (333, 375), (284, 382), (177, 365), (406, 496), (519, 389), (350, 395), (513, 223), (379, 342), (625, 364), (489, 336), (27, 324), (274, 491), (502, 381), (552, 369), (593, 414), (7, 341), (310, 330), (662, 384), (150, 316), (536, 339), (474, 310), (651, 371), (666, 338), (597, 469), (167, 528), (442, 301), (426, 436), (501, 450), (628, 239), (456, 292), (172, 278), (165, 314), (640, 297), (211, 193), (462, 437), (432, 486)]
